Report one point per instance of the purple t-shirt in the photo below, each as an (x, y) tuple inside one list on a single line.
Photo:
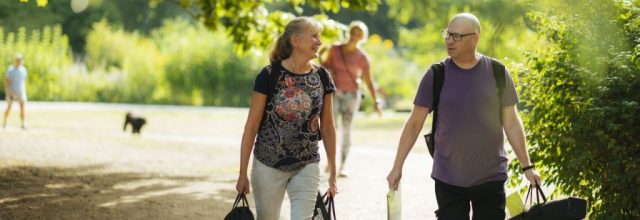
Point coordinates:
[(469, 140)]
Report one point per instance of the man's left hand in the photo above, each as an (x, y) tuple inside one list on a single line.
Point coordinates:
[(533, 177)]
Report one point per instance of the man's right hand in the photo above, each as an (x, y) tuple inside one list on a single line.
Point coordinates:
[(394, 179), (242, 186)]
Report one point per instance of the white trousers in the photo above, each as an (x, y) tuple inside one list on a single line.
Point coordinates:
[(269, 186)]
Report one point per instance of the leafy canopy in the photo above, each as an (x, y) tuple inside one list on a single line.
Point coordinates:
[(250, 24)]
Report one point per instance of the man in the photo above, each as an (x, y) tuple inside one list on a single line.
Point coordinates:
[(15, 87), (470, 163)]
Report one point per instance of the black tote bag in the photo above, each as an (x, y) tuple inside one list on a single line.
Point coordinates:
[(570, 208), (325, 208), (242, 212)]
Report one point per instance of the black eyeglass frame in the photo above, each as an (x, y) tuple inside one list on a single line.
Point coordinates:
[(456, 37)]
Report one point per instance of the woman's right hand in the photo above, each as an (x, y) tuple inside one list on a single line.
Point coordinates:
[(243, 184)]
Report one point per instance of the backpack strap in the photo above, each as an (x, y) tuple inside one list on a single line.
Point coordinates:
[(324, 77), (274, 73), (438, 81), (324, 81), (499, 72)]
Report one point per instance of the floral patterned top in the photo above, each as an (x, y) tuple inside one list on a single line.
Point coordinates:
[(289, 132)]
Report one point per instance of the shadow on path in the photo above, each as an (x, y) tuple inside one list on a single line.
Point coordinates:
[(28, 192)]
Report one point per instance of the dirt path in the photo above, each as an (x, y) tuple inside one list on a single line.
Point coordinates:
[(74, 162)]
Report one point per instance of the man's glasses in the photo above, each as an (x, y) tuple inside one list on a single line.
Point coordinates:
[(456, 37)]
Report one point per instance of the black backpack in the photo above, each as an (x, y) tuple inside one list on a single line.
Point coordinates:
[(438, 80)]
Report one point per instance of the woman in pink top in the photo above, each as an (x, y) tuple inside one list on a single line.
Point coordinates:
[(349, 65)]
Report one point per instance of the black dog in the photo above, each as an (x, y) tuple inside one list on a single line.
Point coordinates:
[(135, 121)]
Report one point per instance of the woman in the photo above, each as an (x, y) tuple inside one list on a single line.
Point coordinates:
[(349, 64), (289, 116)]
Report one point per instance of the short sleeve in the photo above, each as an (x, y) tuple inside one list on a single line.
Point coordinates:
[(261, 84), (509, 95), (329, 86), (424, 95)]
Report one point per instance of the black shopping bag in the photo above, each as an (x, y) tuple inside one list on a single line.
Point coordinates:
[(240, 212), (325, 208), (563, 209)]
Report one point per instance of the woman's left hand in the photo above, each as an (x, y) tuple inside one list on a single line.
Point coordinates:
[(333, 187), (376, 108)]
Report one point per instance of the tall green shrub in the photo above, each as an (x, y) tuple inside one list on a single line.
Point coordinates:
[(202, 68), (131, 65), (582, 107), (180, 63)]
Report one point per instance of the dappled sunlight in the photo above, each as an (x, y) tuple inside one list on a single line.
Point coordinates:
[(145, 183), (63, 185), (196, 190), (6, 200), (34, 192)]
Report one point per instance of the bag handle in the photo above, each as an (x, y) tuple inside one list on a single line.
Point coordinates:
[(539, 193), (331, 209), (528, 198), (239, 198), (320, 204)]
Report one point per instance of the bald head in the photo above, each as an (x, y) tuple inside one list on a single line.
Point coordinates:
[(466, 21)]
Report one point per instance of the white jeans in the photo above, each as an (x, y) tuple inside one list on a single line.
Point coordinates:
[(269, 185)]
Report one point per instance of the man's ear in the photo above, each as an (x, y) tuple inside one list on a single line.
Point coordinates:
[(476, 38)]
